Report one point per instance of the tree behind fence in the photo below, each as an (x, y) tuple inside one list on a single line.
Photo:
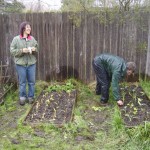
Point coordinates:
[(69, 42)]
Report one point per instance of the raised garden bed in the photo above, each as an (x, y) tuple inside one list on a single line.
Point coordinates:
[(136, 109), (54, 105)]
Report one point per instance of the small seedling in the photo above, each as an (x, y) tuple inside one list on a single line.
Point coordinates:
[(43, 115), (37, 106), (134, 110), (98, 108), (139, 101), (134, 95), (123, 95), (130, 117), (47, 102), (125, 109), (51, 98), (54, 116)]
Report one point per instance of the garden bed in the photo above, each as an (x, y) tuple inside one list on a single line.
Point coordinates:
[(136, 109), (53, 106)]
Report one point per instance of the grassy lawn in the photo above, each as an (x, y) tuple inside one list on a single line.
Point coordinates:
[(94, 127)]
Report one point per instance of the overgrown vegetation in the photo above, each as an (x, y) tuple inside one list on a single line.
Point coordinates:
[(67, 87), (11, 6), (106, 11), (94, 127)]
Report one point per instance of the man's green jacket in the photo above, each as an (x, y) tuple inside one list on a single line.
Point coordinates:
[(116, 68), (16, 47)]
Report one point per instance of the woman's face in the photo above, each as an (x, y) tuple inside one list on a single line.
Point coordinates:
[(27, 29)]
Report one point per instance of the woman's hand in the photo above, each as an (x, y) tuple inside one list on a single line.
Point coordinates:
[(25, 50), (33, 49)]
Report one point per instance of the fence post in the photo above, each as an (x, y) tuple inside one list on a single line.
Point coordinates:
[(148, 54)]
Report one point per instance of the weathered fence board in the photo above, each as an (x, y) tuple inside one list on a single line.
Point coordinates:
[(148, 53), (68, 42)]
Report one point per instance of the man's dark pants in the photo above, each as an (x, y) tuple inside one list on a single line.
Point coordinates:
[(103, 81)]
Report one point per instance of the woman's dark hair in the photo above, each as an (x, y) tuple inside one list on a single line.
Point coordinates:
[(23, 26)]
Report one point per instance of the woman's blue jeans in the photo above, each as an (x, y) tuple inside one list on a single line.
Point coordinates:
[(26, 75)]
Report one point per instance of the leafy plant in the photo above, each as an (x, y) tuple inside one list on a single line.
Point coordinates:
[(129, 116), (67, 87), (135, 110), (139, 101), (98, 108), (134, 94), (123, 95)]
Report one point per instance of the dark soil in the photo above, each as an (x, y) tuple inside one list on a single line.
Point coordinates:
[(136, 109), (54, 107)]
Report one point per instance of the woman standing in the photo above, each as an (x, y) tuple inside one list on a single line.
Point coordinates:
[(23, 48)]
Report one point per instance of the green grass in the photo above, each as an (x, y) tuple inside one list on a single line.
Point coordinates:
[(146, 86), (93, 127)]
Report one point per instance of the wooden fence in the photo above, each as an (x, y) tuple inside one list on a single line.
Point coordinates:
[(68, 42)]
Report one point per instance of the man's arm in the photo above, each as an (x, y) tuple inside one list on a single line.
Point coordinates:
[(115, 87)]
